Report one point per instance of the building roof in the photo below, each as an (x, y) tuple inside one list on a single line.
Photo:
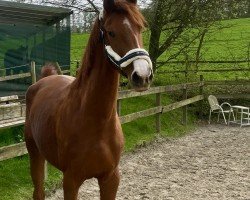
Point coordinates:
[(14, 13)]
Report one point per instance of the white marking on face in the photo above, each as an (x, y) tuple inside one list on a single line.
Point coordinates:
[(127, 23), (137, 42), (141, 67)]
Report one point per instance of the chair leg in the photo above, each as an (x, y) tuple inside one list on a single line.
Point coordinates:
[(229, 117), (233, 115), (224, 118), (209, 117), (218, 117)]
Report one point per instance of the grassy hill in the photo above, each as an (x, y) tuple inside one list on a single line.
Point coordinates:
[(231, 42)]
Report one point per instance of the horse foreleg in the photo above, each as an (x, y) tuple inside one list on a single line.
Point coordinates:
[(37, 170), (70, 186), (109, 185)]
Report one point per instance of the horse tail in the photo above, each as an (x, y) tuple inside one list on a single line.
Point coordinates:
[(49, 69)]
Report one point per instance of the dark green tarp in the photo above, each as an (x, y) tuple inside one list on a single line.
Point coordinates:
[(31, 33)]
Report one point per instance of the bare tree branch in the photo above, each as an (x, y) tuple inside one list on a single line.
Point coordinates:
[(93, 5), (86, 9)]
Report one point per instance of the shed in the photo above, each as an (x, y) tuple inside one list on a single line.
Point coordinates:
[(31, 33)]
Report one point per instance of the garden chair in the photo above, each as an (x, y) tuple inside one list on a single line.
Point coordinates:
[(215, 107)]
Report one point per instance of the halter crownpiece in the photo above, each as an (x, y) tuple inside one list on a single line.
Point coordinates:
[(101, 14), (129, 57)]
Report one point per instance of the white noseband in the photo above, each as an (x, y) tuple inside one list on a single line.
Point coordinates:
[(129, 57)]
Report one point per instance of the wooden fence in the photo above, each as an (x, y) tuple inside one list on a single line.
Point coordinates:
[(31, 74), (20, 149), (186, 66)]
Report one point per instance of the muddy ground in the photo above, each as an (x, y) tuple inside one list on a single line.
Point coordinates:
[(213, 163)]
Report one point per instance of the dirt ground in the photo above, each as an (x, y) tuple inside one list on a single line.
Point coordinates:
[(212, 163)]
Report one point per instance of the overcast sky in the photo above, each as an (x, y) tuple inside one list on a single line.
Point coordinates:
[(99, 3)]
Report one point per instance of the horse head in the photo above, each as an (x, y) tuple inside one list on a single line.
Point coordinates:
[(121, 25)]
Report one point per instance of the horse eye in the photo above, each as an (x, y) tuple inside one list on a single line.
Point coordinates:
[(111, 34)]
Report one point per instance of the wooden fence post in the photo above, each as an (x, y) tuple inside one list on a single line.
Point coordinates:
[(33, 71), (201, 93), (58, 68), (158, 115), (184, 110), (119, 107), (202, 84)]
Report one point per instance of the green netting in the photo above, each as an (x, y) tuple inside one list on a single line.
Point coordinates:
[(22, 43)]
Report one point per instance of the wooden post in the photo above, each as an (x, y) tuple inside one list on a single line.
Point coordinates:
[(58, 68), (184, 109), (119, 107), (248, 55), (33, 71), (46, 170), (201, 87), (201, 93), (158, 115)]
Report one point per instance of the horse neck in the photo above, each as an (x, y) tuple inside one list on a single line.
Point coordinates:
[(96, 85)]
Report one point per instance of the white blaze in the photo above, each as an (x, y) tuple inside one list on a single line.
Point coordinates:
[(141, 67), (127, 23)]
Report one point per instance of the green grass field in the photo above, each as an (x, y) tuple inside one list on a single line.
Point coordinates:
[(231, 43), (15, 181)]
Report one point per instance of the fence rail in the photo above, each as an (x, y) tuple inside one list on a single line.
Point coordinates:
[(206, 61), (30, 74), (161, 89), (225, 82), (16, 76), (19, 149), (205, 71)]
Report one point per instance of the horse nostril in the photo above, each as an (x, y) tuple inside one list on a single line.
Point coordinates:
[(151, 77), (136, 78)]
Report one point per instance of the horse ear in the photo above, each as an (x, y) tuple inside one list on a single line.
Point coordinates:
[(132, 1), (109, 5)]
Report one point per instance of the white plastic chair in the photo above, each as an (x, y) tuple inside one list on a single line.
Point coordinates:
[(215, 107)]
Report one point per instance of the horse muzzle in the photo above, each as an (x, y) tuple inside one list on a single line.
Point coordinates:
[(142, 75)]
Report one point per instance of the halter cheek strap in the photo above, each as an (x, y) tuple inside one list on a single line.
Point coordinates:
[(128, 58)]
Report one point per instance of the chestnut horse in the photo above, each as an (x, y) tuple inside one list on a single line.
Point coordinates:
[(72, 122)]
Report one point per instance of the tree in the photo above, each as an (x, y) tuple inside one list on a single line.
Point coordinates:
[(178, 23)]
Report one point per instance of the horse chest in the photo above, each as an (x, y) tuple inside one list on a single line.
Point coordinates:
[(94, 160), (94, 156)]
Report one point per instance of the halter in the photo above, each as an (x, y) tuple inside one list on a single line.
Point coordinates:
[(118, 61)]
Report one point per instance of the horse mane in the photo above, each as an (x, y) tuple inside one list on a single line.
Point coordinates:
[(48, 69), (89, 55), (121, 7)]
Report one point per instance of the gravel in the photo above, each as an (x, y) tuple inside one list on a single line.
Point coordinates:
[(213, 163)]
